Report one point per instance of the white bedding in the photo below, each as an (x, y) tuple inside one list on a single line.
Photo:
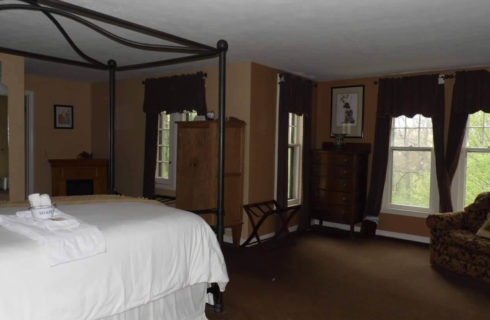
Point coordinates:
[(152, 251)]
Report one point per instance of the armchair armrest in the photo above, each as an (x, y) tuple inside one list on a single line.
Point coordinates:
[(445, 221)]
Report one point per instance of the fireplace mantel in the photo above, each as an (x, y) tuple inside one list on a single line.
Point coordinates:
[(63, 170)]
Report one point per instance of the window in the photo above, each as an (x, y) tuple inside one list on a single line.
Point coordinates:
[(410, 180), (167, 147), (474, 165), (295, 156)]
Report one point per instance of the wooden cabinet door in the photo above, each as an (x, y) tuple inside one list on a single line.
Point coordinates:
[(196, 168)]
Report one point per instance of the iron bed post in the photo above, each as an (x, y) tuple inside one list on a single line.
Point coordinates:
[(222, 46), (112, 102)]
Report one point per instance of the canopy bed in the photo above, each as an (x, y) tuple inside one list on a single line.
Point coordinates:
[(181, 50)]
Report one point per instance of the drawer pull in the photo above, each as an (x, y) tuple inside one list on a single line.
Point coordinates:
[(345, 160), (345, 185), (344, 198)]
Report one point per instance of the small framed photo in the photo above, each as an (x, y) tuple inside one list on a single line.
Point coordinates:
[(63, 116), (347, 112)]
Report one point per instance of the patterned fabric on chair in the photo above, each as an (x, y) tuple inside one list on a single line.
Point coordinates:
[(454, 243)]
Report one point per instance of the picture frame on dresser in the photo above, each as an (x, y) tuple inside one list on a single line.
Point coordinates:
[(63, 116), (347, 111)]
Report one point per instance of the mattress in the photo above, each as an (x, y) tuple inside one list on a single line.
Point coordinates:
[(153, 251)]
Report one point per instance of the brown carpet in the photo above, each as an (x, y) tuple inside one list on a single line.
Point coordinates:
[(327, 275)]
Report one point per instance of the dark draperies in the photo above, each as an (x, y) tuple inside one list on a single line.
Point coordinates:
[(170, 94), (295, 96), (471, 93), (406, 96)]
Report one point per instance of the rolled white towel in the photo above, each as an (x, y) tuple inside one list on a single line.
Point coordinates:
[(45, 200), (34, 200)]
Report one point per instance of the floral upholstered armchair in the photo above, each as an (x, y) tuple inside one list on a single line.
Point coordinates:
[(459, 242)]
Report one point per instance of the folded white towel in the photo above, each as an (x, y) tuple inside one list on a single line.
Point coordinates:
[(45, 200), (34, 200), (61, 245), (58, 221)]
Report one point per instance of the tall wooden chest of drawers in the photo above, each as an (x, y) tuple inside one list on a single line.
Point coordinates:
[(339, 183)]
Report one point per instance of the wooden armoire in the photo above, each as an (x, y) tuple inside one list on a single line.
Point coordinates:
[(197, 170)]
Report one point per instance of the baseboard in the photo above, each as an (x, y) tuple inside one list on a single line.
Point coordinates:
[(384, 233)]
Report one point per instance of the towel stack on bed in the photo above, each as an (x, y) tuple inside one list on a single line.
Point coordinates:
[(63, 237)]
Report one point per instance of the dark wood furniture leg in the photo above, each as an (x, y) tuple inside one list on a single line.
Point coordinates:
[(236, 232)]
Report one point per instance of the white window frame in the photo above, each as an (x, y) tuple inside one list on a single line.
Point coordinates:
[(413, 211), (297, 187), (170, 183), (458, 186)]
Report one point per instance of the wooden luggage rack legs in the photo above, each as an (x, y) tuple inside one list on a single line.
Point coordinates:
[(260, 211)]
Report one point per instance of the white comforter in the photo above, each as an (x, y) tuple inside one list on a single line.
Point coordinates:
[(152, 251)]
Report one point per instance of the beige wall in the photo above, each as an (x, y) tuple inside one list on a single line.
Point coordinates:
[(13, 78), (321, 133), (51, 143)]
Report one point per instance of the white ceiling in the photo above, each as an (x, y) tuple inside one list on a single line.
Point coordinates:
[(319, 39)]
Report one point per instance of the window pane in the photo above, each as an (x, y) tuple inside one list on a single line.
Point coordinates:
[(486, 143), (411, 178), (426, 139), (160, 154), (166, 137), (425, 122), (486, 118), (475, 138), (160, 120), (400, 122), (412, 132), (166, 153), (165, 168), (477, 175), (399, 137), (166, 122), (412, 139), (476, 119), (413, 122), (159, 170)]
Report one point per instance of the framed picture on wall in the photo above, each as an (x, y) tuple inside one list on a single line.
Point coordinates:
[(63, 116), (347, 111)]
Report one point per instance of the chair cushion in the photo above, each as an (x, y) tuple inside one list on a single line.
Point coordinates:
[(468, 241)]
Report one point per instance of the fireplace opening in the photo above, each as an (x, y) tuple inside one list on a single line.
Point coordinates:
[(79, 187)]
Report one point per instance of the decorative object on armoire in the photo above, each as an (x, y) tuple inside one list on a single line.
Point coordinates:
[(63, 116), (78, 177), (197, 175), (84, 155), (338, 183), (347, 111)]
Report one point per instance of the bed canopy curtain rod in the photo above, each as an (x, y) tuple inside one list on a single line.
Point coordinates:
[(198, 50)]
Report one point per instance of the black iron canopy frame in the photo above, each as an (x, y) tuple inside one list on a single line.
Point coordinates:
[(193, 50)]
